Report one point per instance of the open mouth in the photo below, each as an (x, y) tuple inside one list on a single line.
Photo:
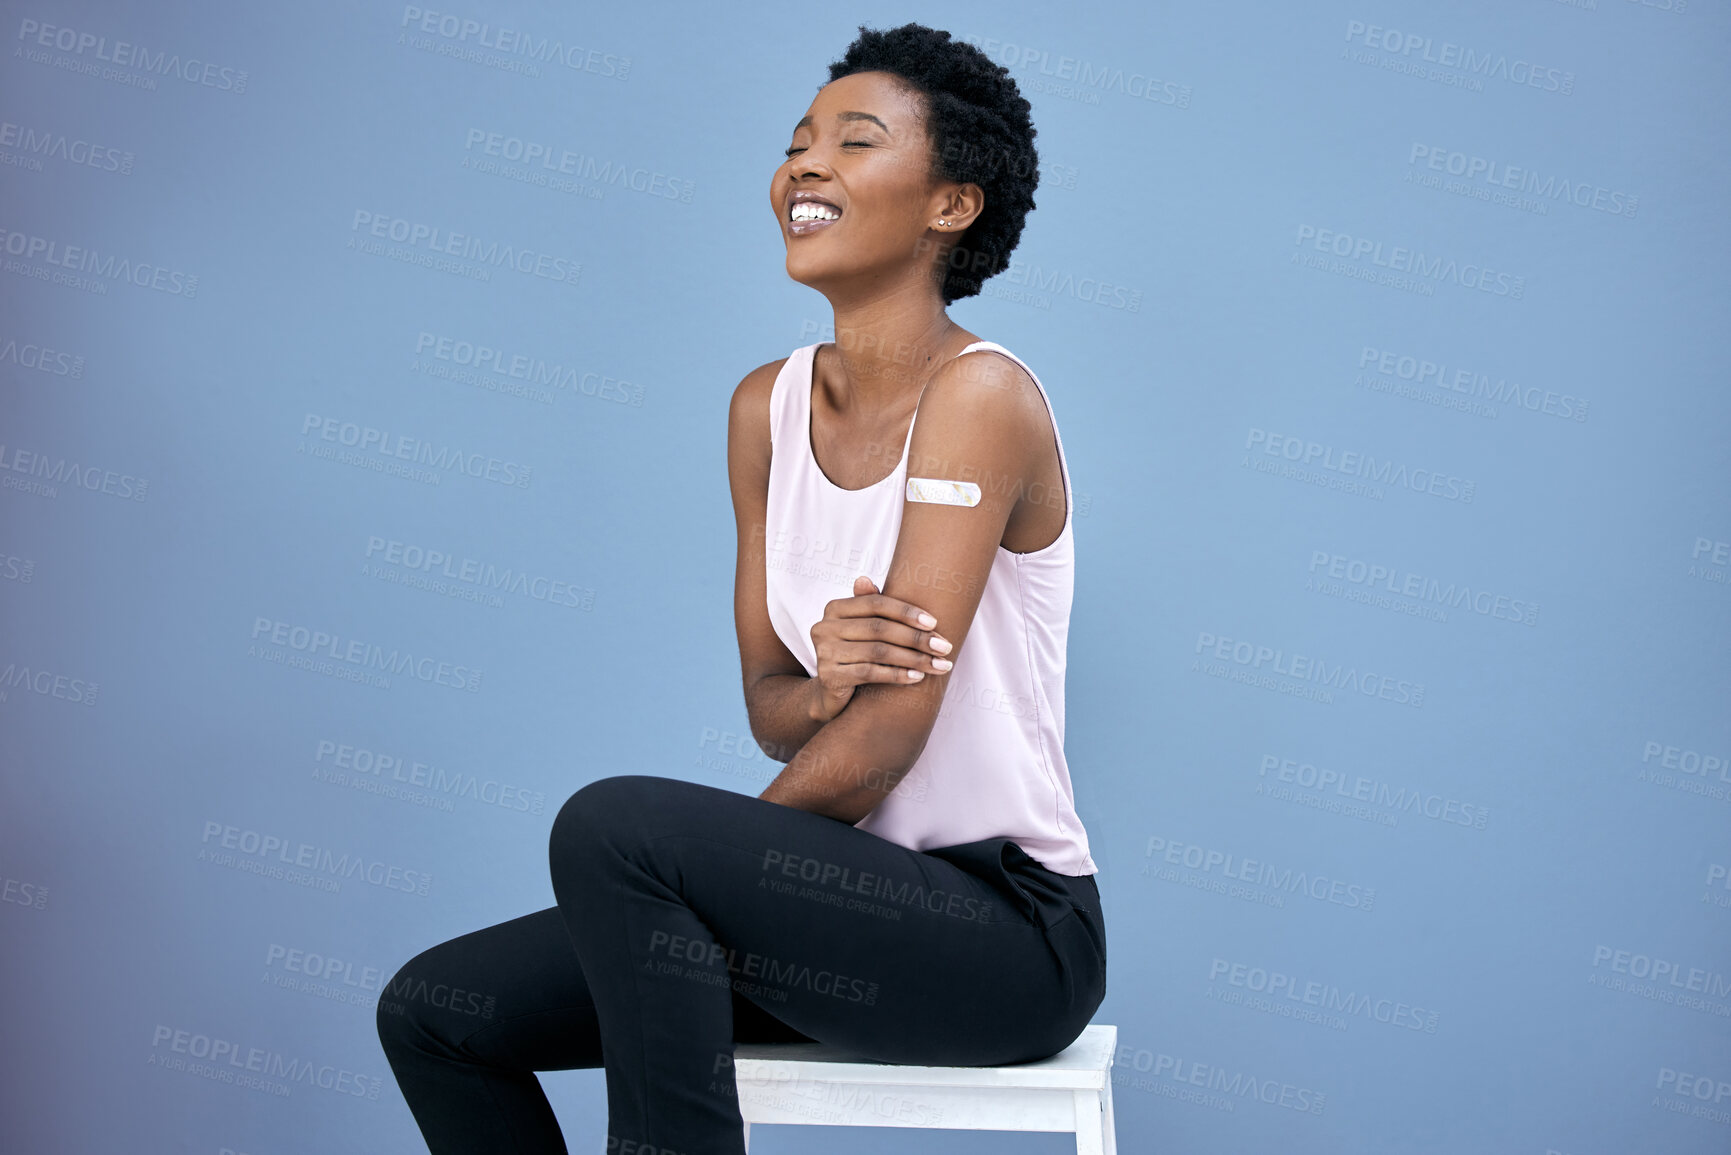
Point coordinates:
[(811, 216)]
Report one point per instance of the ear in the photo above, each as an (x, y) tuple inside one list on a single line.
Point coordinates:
[(958, 209)]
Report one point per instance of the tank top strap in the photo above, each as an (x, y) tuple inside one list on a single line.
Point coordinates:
[(790, 404), (908, 441), (1058, 438)]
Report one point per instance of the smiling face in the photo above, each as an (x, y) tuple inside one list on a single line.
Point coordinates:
[(857, 199)]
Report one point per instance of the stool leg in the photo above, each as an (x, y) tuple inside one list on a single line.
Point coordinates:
[(1106, 1121), (748, 1139), (1090, 1134)]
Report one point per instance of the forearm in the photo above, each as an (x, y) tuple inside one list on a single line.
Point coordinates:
[(854, 761), (779, 708)]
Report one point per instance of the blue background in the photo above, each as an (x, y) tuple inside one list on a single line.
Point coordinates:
[(1529, 946)]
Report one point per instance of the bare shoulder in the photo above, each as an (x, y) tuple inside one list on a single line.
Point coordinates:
[(748, 412), (991, 370), (989, 389), (752, 392)]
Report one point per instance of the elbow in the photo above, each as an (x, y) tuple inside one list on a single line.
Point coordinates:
[(859, 757), (856, 804), (876, 776)]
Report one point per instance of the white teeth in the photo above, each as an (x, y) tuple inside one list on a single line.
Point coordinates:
[(812, 211)]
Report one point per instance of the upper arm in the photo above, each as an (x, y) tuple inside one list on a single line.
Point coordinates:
[(982, 419), (761, 650)]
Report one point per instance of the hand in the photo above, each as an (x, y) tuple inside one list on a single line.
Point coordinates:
[(871, 637)]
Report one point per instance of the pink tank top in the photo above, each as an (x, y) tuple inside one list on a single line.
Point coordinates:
[(994, 764)]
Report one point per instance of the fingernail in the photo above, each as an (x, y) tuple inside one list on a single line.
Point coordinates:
[(941, 664), (916, 675), (928, 621), (941, 645)]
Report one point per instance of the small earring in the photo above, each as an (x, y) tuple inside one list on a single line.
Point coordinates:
[(944, 223)]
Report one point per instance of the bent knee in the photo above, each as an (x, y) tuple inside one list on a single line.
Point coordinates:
[(619, 810), (604, 795), (415, 1002), (394, 1017)]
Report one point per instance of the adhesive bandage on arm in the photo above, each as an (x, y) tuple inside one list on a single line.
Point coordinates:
[(936, 492)]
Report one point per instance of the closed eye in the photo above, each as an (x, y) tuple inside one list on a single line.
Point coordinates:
[(846, 143)]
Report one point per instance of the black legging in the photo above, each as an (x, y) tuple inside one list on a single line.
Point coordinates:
[(690, 918)]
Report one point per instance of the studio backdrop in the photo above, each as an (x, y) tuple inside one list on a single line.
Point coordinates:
[(363, 494)]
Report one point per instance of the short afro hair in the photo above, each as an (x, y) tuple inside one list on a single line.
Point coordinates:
[(981, 133)]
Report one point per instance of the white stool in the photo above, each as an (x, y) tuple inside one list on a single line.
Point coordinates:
[(817, 1084)]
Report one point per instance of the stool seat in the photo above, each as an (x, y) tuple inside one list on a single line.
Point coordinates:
[(814, 1083)]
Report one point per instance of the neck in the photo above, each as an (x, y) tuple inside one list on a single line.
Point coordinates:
[(889, 345)]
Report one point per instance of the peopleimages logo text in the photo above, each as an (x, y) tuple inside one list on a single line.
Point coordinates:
[(96, 263), (1448, 54), (1356, 464), (466, 246), (370, 440), (1258, 872), (1400, 259), (1307, 668), (40, 143), (88, 45), (363, 654), (465, 31)]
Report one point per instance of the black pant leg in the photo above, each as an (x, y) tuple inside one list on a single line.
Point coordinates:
[(679, 896), (466, 1023)]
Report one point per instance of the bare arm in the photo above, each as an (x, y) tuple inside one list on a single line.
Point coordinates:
[(779, 695), (983, 416)]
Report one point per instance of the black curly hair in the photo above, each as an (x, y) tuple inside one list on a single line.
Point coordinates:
[(980, 130)]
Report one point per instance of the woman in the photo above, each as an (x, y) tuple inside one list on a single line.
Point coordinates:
[(914, 885)]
